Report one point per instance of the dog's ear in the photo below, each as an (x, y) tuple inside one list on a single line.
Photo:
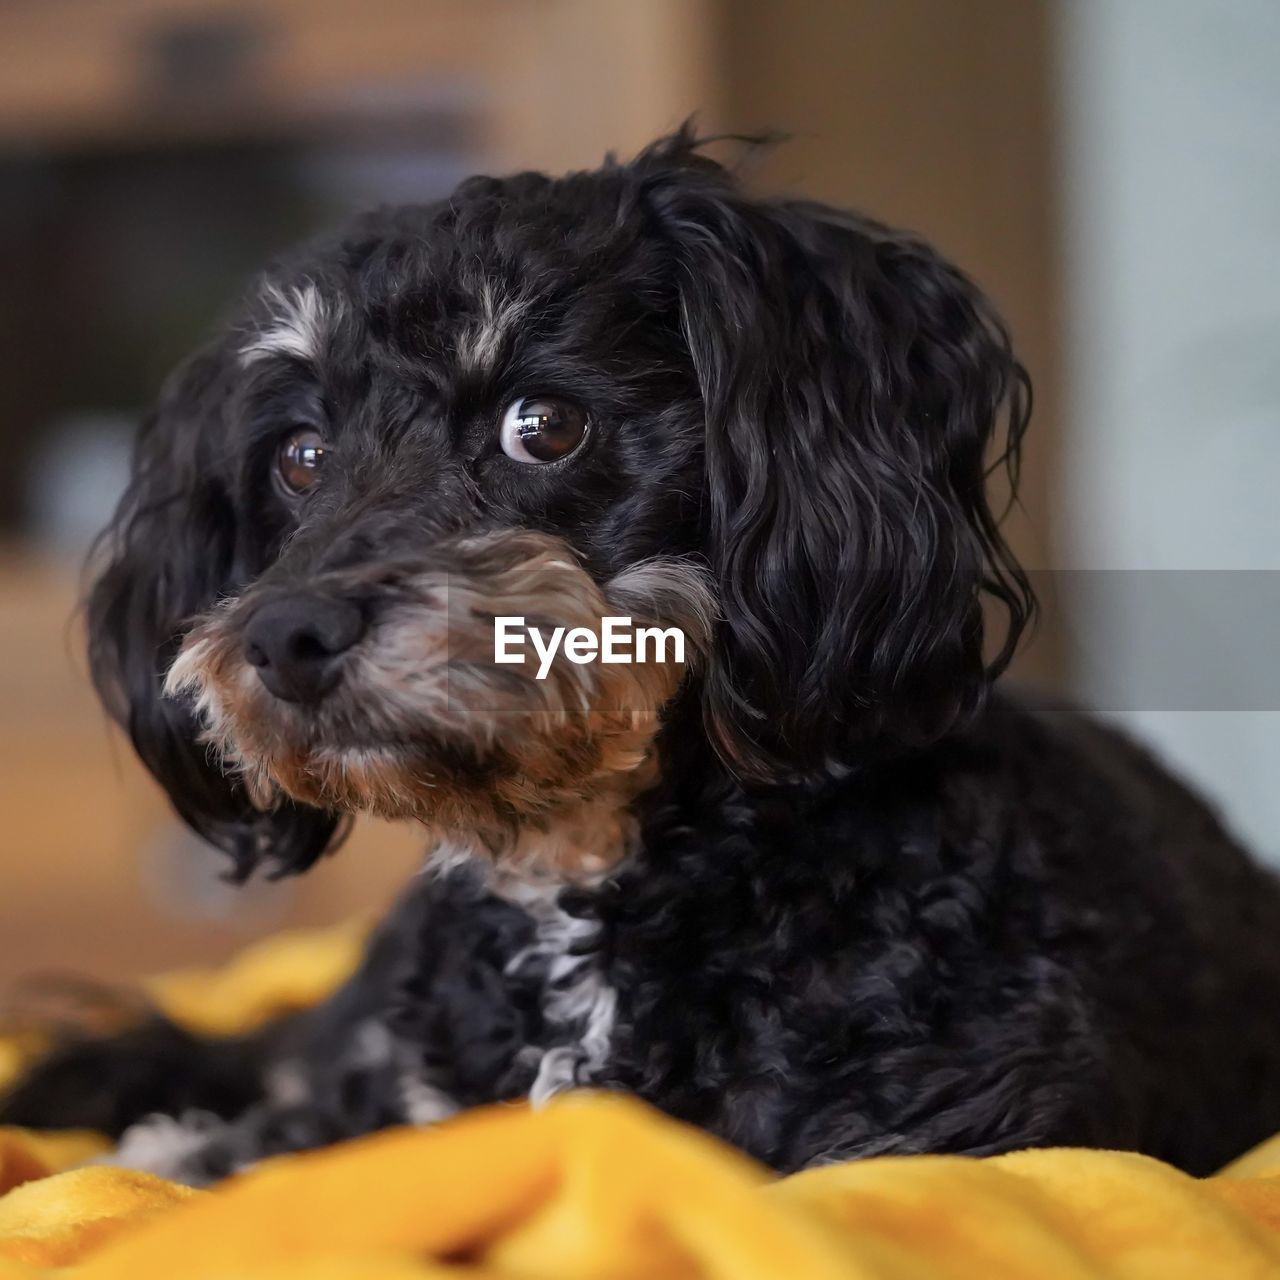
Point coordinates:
[(854, 386), (170, 553)]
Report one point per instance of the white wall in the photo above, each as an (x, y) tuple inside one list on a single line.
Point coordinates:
[(1170, 111)]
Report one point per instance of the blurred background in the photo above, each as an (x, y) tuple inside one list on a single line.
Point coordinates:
[(1109, 171)]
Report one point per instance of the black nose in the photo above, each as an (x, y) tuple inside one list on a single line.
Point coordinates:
[(295, 642)]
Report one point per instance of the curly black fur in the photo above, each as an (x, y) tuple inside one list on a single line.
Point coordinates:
[(873, 905)]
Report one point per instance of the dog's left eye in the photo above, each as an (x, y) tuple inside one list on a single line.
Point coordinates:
[(300, 459), (540, 429)]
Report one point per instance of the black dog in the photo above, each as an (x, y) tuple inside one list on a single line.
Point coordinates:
[(820, 890)]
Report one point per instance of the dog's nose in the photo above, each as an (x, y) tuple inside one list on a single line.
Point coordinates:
[(295, 642)]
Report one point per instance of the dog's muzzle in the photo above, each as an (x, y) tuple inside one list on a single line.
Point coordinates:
[(376, 688)]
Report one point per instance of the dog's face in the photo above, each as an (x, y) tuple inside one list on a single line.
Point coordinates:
[(628, 392), (447, 416)]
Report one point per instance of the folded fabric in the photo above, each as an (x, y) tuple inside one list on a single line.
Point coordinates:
[(278, 975), (597, 1185)]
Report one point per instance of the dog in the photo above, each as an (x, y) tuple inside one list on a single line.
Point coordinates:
[(824, 889)]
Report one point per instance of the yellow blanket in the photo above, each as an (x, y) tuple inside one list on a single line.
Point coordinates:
[(599, 1186)]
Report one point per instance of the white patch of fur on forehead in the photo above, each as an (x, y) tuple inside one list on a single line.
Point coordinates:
[(478, 345), (301, 322)]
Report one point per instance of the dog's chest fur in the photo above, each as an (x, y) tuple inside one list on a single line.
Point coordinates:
[(504, 990)]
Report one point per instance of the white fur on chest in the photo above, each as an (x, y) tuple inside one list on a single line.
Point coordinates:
[(578, 1002)]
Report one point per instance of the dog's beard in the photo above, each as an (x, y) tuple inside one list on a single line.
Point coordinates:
[(425, 725)]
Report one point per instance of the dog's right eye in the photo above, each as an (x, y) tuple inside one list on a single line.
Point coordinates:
[(300, 459), (540, 429)]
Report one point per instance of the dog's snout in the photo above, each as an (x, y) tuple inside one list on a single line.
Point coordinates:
[(295, 642)]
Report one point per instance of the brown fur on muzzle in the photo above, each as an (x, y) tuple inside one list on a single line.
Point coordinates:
[(426, 725)]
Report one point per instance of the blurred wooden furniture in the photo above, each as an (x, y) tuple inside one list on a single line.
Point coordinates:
[(546, 82)]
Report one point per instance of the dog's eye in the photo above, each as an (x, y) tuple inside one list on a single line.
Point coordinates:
[(300, 459), (542, 429)]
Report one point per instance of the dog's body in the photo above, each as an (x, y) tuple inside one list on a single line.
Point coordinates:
[(822, 893)]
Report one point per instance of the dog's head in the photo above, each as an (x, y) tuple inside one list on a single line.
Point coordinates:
[(633, 392)]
